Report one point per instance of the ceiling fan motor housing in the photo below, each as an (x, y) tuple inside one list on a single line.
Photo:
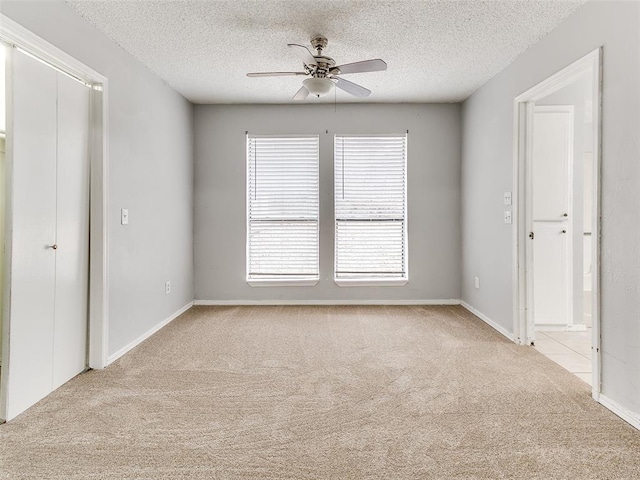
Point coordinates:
[(323, 66), (323, 63)]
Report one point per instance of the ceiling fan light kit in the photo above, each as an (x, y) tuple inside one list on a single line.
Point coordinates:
[(318, 86), (324, 73)]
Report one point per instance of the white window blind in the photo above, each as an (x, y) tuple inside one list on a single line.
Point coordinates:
[(370, 207), (282, 208)]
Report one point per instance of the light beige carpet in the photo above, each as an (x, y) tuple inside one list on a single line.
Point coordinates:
[(323, 393)]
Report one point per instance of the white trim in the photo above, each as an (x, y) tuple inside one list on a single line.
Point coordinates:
[(560, 328), (371, 282), (488, 321), (116, 355), (560, 79), (19, 37), (281, 282), (576, 328), (522, 119), (450, 301), (595, 221), (520, 112), (16, 35), (99, 230), (625, 414)]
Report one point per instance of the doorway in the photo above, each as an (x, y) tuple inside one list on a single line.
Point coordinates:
[(557, 159), (54, 305)]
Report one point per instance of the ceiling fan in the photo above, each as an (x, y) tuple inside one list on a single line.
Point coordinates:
[(324, 73)]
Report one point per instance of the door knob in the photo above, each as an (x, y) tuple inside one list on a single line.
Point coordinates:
[(531, 235), (565, 214), (54, 246), (563, 231)]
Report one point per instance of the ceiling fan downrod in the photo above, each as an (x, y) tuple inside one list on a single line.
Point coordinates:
[(319, 44)]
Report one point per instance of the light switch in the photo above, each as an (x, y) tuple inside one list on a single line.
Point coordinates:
[(507, 198), (124, 216), (507, 216)]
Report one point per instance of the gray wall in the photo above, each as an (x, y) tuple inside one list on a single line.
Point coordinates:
[(433, 197), (487, 171), (150, 173)]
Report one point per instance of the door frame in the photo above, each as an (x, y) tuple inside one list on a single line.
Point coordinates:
[(529, 218), (19, 38), (523, 134)]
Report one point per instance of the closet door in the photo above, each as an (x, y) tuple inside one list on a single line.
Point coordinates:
[(72, 239), (50, 228), (34, 92)]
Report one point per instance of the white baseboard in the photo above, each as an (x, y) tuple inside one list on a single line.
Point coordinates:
[(576, 328), (628, 416), (541, 327), (449, 301), (116, 355), (488, 321)]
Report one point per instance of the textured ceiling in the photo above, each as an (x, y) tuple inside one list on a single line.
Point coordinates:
[(436, 51)]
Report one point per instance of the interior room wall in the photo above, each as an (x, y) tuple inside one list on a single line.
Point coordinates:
[(433, 197), (150, 129), (487, 172), (578, 95)]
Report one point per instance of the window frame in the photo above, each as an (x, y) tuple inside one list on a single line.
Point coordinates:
[(374, 281), (299, 281)]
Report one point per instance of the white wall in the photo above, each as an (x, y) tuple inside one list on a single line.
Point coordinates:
[(150, 145), (487, 172), (433, 197)]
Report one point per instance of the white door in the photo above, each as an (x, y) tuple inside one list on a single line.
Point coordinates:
[(49, 261), (550, 216), (33, 263), (72, 232)]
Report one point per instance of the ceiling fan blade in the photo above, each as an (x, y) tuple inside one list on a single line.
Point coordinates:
[(301, 94), (275, 74), (352, 88), (375, 65), (303, 53)]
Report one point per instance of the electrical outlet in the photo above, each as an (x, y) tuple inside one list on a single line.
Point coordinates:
[(507, 216), (124, 216), (167, 287), (507, 198), (476, 282)]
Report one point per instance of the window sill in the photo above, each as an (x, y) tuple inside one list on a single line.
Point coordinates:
[(373, 282), (275, 282)]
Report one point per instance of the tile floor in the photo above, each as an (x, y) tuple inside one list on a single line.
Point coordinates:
[(570, 350)]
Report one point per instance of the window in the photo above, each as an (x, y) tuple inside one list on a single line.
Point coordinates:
[(282, 210), (370, 189)]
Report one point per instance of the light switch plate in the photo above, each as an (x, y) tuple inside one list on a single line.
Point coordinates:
[(507, 216), (124, 216), (507, 198), (476, 282)]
